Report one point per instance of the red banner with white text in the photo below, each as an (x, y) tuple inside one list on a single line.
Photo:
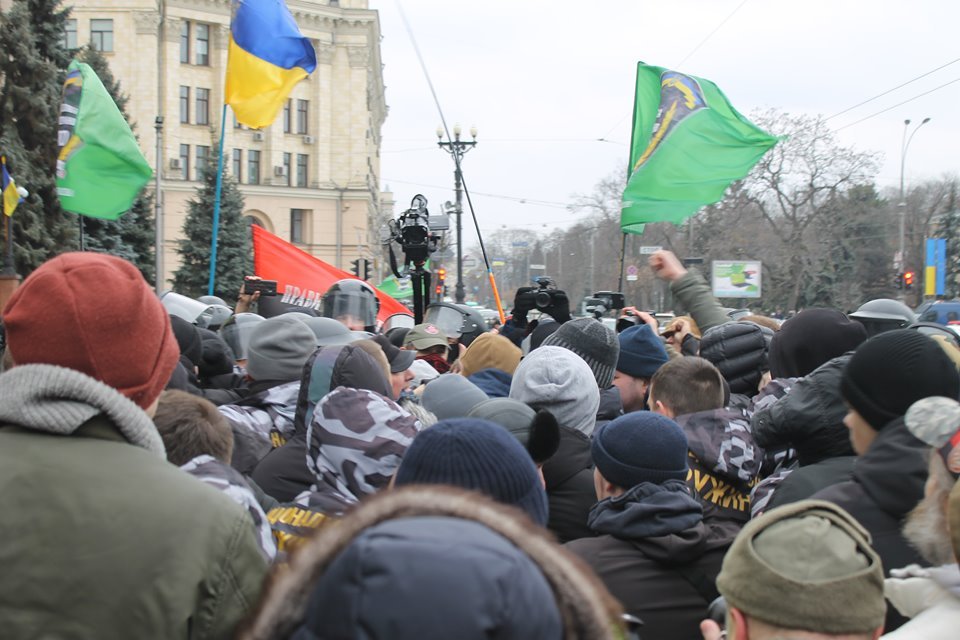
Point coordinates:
[(302, 279)]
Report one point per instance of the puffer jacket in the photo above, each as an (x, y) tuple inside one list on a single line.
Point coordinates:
[(104, 538), (739, 350), (655, 555), (283, 472)]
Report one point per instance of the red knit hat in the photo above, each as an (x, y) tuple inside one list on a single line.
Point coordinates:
[(95, 314)]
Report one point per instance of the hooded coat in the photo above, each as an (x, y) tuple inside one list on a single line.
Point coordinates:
[(888, 482), (103, 538), (261, 422), (283, 473), (655, 555), (725, 463)]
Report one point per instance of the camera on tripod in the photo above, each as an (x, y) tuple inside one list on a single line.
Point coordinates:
[(416, 231)]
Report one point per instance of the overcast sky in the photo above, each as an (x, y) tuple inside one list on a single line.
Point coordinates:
[(544, 79)]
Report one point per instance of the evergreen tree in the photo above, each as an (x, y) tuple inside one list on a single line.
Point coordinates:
[(132, 235), (33, 68), (949, 228), (234, 251)]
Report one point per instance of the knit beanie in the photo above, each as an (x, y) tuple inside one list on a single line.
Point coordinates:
[(58, 316), (329, 332), (894, 369), (546, 327), (593, 341), (807, 565), (479, 455), (640, 446), (451, 396), (490, 351), (936, 422), (216, 358), (278, 349), (810, 339), (641, 352), (188, 339), (558, 380), (740, 351)]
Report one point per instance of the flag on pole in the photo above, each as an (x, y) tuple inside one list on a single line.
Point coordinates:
[(11, 195), (267, 57), (100, 169), (689, 144)]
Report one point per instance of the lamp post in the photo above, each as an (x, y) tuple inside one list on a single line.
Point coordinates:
[(904, 147), (457, 148)]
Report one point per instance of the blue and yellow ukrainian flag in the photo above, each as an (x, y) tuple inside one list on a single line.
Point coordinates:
[(11, 197), (268, 56)]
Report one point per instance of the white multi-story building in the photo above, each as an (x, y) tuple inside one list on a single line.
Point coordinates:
[(313, 176)]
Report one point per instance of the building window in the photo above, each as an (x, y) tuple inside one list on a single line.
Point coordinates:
[(302, 159), (203, 158), (185, 42), (287, 128), (298, 219), (288, 167), (185, 161), (185, 104), (237, 163), (253, 167), (101, 35), (202, 115), (70, 34), (302, 109), (203, 44)]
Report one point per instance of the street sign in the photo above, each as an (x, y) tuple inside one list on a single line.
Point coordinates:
[(538, 266), (632, 270), (649, 249), (631, 277), (520, 244), (498, 263)]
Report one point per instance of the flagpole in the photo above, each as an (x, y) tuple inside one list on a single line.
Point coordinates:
[(216, 202)]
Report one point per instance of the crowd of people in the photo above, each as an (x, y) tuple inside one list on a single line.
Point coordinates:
[(172, 474)]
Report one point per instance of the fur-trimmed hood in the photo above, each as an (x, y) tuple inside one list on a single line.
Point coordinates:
[(586, 608)]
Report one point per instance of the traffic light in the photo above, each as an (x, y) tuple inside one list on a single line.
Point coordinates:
[(366, 269), (441, 278), (898, 281), (356, 267), (908, 279)]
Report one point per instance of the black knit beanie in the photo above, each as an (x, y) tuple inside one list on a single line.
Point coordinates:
[(894, 369), (810, 339)]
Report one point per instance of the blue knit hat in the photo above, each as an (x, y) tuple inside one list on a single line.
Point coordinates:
[(637, 447), (641, 352), (479, 455)]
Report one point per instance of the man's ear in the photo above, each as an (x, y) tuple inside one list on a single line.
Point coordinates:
[(662, 409), (737, 627)]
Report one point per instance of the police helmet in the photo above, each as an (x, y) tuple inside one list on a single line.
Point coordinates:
[(883, 314), (352, 302)]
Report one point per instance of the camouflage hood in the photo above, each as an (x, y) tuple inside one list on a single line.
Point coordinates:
[(356, 439)]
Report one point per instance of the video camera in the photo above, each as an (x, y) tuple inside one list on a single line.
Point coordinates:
[(603, 301), (546, 294), (412, 230)]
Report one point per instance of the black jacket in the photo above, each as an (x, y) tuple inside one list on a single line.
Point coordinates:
[(570, 491), (806, 481), (654, 555), (888, 481), (283, 473)]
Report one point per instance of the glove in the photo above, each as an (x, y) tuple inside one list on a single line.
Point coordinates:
[(525, 301), (559, 307)]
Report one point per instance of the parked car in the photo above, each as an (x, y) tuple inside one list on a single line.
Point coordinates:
[(939, 311)]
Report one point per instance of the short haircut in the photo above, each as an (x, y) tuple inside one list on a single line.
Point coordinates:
[(191, 426), (688, 385)]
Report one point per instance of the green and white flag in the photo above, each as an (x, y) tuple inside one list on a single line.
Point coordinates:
[(100, 169), (689, 144)]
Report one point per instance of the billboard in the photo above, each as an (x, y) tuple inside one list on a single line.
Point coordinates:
[(736, 278)]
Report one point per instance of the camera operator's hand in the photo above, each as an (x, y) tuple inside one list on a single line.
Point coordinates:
[(559, 307), (245, 300), (667, 266), (710, 630), (524, 302)]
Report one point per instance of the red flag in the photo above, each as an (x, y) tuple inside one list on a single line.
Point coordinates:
[(302, 279)]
